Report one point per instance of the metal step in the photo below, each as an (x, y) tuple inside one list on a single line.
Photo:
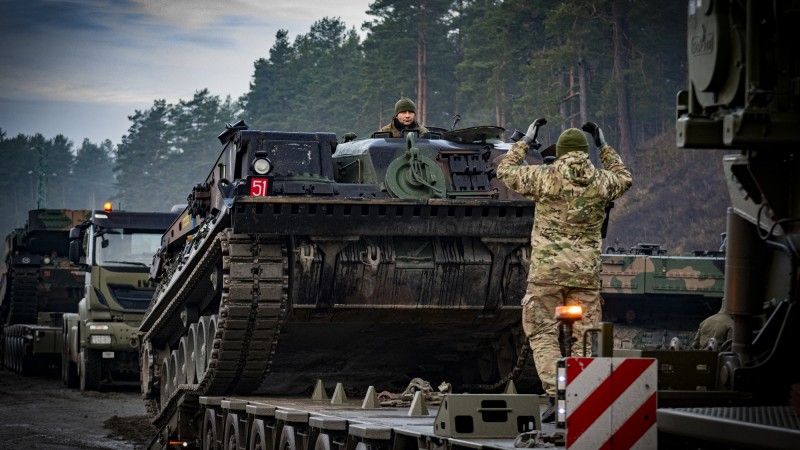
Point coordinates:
[(756, 426)]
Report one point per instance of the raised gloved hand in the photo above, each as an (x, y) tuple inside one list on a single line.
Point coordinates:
[(533, 130), (596, 132)]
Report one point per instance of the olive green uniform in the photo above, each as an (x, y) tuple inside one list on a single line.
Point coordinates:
[(719, 326), (397, 128), (392, 127), (571, 196)]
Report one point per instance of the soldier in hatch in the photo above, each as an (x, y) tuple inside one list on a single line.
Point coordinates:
[(571, 197), (405, 119)]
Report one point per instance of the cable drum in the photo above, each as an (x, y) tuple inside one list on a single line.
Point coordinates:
[(414, 175)]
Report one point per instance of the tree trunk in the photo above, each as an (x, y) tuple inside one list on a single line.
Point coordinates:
[(621, 60), (422, 63), (422, 79), (500, 94), (499, 111), (582, 90), (582, 113), (498, 104), (562, 105)]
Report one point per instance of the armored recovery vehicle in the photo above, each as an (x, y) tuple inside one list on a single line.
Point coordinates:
[(38, 284), (376, 260), (370, 262), (114, 250)]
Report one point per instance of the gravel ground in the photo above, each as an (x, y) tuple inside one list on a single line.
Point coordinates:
[(37, 412)]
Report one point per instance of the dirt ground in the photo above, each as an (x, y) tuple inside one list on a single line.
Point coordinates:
[(38, 412)]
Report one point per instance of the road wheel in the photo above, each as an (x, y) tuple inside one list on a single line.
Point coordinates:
[(90, 370), (4, 352)]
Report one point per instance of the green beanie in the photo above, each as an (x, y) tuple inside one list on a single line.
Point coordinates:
[(404, 104), (571, 140)]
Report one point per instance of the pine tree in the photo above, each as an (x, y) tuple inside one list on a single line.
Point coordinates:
[(141, 180), (192, 134), (266, 105), (408, 46), (93, 175)]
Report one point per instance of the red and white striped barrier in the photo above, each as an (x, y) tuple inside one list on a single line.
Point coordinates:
[(608, 403)]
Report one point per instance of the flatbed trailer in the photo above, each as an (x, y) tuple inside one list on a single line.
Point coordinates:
[(292, 423), (298, 423)]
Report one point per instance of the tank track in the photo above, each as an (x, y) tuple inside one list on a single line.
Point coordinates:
[(23, 306), (253, 302)]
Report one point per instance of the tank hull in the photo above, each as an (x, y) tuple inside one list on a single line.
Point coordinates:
[(350, 284)]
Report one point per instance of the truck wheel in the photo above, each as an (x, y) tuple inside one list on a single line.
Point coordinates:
[(90, 370), (27, 366), (69, 372), (3, 363), (5, 353)]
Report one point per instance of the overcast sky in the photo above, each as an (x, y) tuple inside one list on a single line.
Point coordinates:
[(80, 67)]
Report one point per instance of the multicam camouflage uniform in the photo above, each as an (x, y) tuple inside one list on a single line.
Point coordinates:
[(571, 196)]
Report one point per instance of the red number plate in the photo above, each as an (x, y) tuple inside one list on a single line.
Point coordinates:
[(258, 187)]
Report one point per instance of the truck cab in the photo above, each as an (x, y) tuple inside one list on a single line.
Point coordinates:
[(115, 249)]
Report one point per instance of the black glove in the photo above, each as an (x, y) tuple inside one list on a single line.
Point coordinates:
[(530, 135), (533, 130), (596, 132)]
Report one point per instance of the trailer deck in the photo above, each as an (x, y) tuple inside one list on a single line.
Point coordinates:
[(292, 423)]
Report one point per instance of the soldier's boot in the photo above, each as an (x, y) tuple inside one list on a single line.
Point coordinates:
[(549, 414)]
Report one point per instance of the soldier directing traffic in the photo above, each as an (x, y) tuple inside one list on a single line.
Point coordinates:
[(571, 197), (405, 119)]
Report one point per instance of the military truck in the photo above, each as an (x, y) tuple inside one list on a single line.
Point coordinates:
[(37, 284), (744, 94), (114, 249)]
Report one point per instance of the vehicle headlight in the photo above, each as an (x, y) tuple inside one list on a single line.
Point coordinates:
[(98, 327), (47, 260), (100, 339), (262, 166)]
